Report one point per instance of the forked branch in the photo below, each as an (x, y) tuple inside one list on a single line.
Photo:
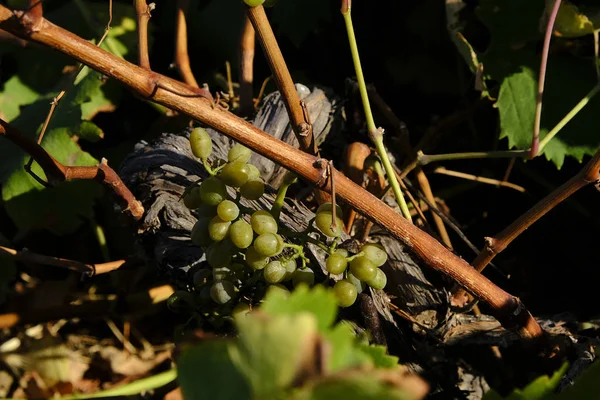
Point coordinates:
[(507, 308), (495, 245), (57, 173)]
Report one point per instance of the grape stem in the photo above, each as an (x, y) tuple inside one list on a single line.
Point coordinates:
[(280, 199), (376, 134), (362, 253)]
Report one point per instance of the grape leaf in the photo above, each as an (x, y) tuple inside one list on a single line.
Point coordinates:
[(318, 300), (378, 355), (272, 350), (205, 371), (570, 22), (14, 95), (344, 351), (540, 389)]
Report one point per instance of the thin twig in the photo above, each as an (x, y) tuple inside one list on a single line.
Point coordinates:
[(29, 257), (143, 16), (494, 245), (57, 173), (508, 309), (489, 181), (182, 58), (535, 140), (246, 65)]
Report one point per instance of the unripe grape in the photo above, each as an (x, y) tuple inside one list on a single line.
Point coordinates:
[(328, 207), (253, 172), (323, 222), (363, 269), (234, 174), (180, 300), (228, 210), (213, 191), (239, 152), (192, 198), (201, 276), (222, 292), (266, 244), (303, 275), (200, 143), (290, 267), (274, 272), (375, 253), (379, 281), (277, 288), (218, 229), (241, 310), (254, 3), (263, 222), (345, 293), (336, 264), (200, 236), (342, 252), (241, 234), (219, 254), (253, 189), (255, 260)]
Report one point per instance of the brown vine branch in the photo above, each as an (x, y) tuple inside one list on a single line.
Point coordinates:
[(471, 177), (26, 256), (143, 16), (57, 173), (182, 58), (507, 308), (34, 15), (494, 245), (246, 64), (301, 126)]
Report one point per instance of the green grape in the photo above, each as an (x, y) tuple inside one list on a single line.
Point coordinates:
[(280, 245), (213, 191), (274, 272), (379, 281), (342, 252), (375, 253), (267, 244), (290, 267), (222, 292), (239, 152), (219, 254), (277, 288), (360, 285), (303, 275), (241, 234), (200, 236), (201, 277), (228, 210), (234, 174), (180, 300), (336, 264), (363, 269), (206, 210), (345, 293), (254, 3), (323, 222), (253, 172), (327, 207), (204, 295), (218, 229), (200, 143), (255, 260), (192, 198), (263, 222), (241, 310), (253, 189)]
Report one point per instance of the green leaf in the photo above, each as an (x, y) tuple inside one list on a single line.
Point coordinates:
[(15, 95), (344, 350), (271, 350), (540, 389), (205, 371), (318, 301), (378, 355), (360, 385), (570, 22)]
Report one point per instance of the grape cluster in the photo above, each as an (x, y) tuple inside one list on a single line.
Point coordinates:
[(244, 247)]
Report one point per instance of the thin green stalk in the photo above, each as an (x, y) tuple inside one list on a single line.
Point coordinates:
[(425, 159), (281, 193), (375, 134), (569, 116), (101, 237)]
